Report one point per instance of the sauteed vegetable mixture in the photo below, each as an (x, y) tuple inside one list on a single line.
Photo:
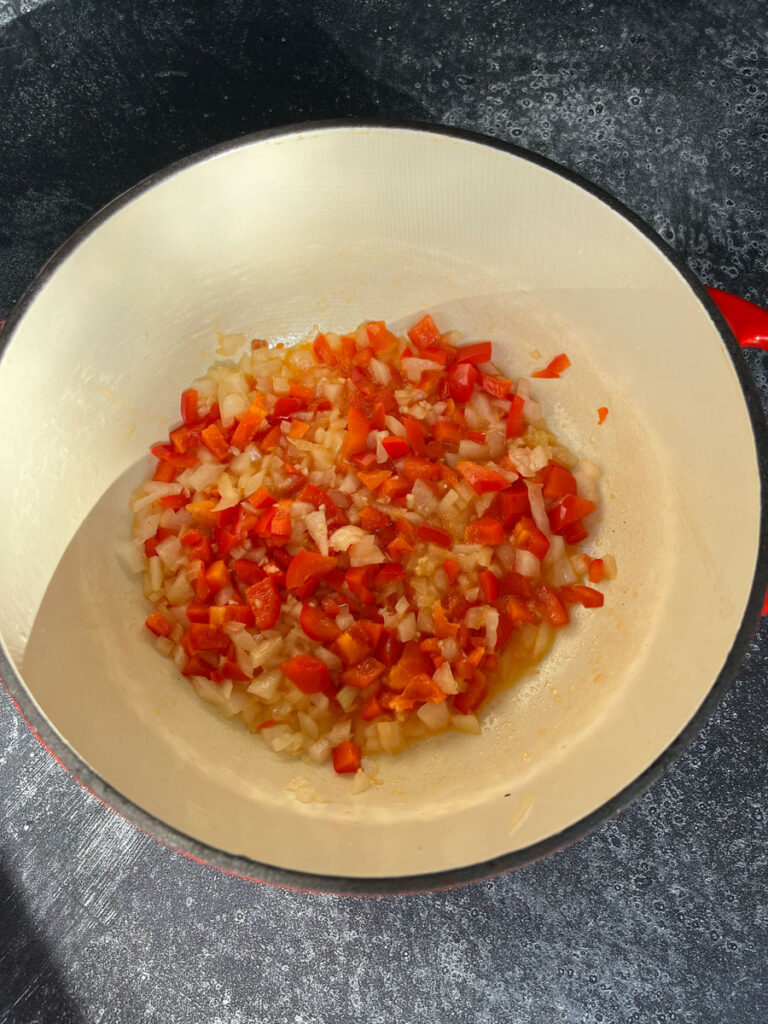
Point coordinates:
[(343, 539)]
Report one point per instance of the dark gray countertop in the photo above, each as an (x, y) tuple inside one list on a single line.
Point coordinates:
[(660, 916)]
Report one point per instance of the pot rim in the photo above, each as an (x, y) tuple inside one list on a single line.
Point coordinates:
[(286, 878)]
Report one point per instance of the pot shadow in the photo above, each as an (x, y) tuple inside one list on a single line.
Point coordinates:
[(31, 988), (97, 96)]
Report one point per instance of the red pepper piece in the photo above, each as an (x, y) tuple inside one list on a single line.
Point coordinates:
[(379, 337), (434, 535), (570, 509), (425, 333), (396, 447), (307, 565), (189, 410), (481, 479), (551, 605), (317, 625), (452, 570), (346, 758), (310, 674), (215, 442), (490, 586), (496, 387), (323, 351), (474, 695), (558, 482), (363, 673), (249, 424), (462, 378), (485, 530), (264, 599), (479, 352), (528, 536), (415, 435), (579, 594), (158, 624), (358, 429), (515, 423), (555, 368), (203, 638)]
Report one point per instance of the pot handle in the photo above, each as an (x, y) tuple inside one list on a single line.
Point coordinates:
[(748, 322)]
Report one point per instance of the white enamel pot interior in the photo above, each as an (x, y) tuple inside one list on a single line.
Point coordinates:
[(332, 225)]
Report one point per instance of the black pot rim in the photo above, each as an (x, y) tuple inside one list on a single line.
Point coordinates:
[(251, 870)]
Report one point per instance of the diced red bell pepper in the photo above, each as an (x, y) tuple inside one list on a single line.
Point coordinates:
[(415, 468), (517, 610), (220, 614), (347, 757), (358, 578), (310, 674), (434, 535), (165, 472), (570, 509), (462, 378), (448, 432), (189, 410), (185, 439), (352, 648), (479, 352), (602, 412), (529, 537), (555, 368), (229, 670), (399, 547), (490, 586), (158, 624), (415, 435), (247, 572), (412, 662), (317, 625), (249, 424), (478, 436), (363, 673), (579, 594), (204, 638), (516, 584), (481, 479), (378, 418), (389, 648), (396, 447), (358, 429), (307, 565), (197, 611), (515, 422), (372, 520), (466, 703), (379, 337), (551, 605), (558, 482), (215, 442), (425, 333), (596, 570), (217, 576), (389, 573), (271, 439), (285, 407), (174, 501), (485, 530), (264, 599), (167, 453), (323, 351), (509, 505), (497, 387), (452, 569), (371, 709), (374, 480), (575, 533)]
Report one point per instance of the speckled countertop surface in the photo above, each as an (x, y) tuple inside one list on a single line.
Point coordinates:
[(660, 916)]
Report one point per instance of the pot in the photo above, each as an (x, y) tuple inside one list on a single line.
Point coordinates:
[(331, 225)]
